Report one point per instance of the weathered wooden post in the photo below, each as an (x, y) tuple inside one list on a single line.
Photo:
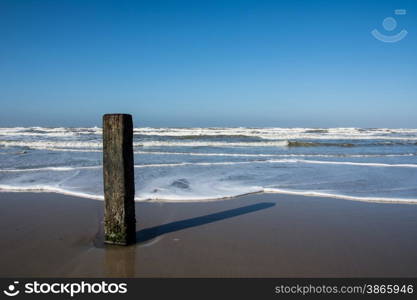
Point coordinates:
[(119, 183)]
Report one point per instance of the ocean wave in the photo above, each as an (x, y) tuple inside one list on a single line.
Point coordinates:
[(340, 196), (238, 132), (205, 136), (344, 144), (279, 143), (96, 146), (51, 132), (223, 163), (44, 145), (49, 189), (181, 198), (210, 144), (84, 146), (273, 155), (217, 163), (50, 169), (285, 161), (283, 133), (358, 163), (318, 144)]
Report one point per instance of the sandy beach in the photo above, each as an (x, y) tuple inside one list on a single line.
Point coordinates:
[(260, 235)]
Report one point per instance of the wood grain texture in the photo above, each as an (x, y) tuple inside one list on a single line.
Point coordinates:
[(119, 183)]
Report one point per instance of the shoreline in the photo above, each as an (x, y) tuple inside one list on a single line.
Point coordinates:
[(258, 235), (378, 200)]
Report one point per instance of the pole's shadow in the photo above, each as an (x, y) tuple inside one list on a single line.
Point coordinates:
[(152, 232)]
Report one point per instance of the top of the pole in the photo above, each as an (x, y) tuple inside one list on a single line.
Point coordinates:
[(116, 114), (117, 118)]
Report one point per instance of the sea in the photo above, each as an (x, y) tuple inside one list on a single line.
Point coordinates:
[(203, 164)]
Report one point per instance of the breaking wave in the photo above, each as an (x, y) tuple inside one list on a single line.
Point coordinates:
[(199, 164)]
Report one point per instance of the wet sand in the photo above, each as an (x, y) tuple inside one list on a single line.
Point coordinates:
[(261, 235)]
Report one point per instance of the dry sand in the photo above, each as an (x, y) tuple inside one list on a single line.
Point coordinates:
[(262, 235)]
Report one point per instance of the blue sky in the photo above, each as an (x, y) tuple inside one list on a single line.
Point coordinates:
[(207, 63)]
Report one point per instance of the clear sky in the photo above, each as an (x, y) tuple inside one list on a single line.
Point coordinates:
[(207, 63)]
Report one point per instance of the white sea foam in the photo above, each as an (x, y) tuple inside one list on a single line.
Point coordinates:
[(237, 191), (59, 131), (273, 155), (53, 145), (209, 144), (358, 164), (89, 139), (223, 163), (282, 133), (264, 133), (278, 161), (340, 196), (82, 145), (50, 169), (48, 189), (204, 164)]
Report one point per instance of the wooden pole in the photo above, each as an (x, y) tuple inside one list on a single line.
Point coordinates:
[(119, 182)]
